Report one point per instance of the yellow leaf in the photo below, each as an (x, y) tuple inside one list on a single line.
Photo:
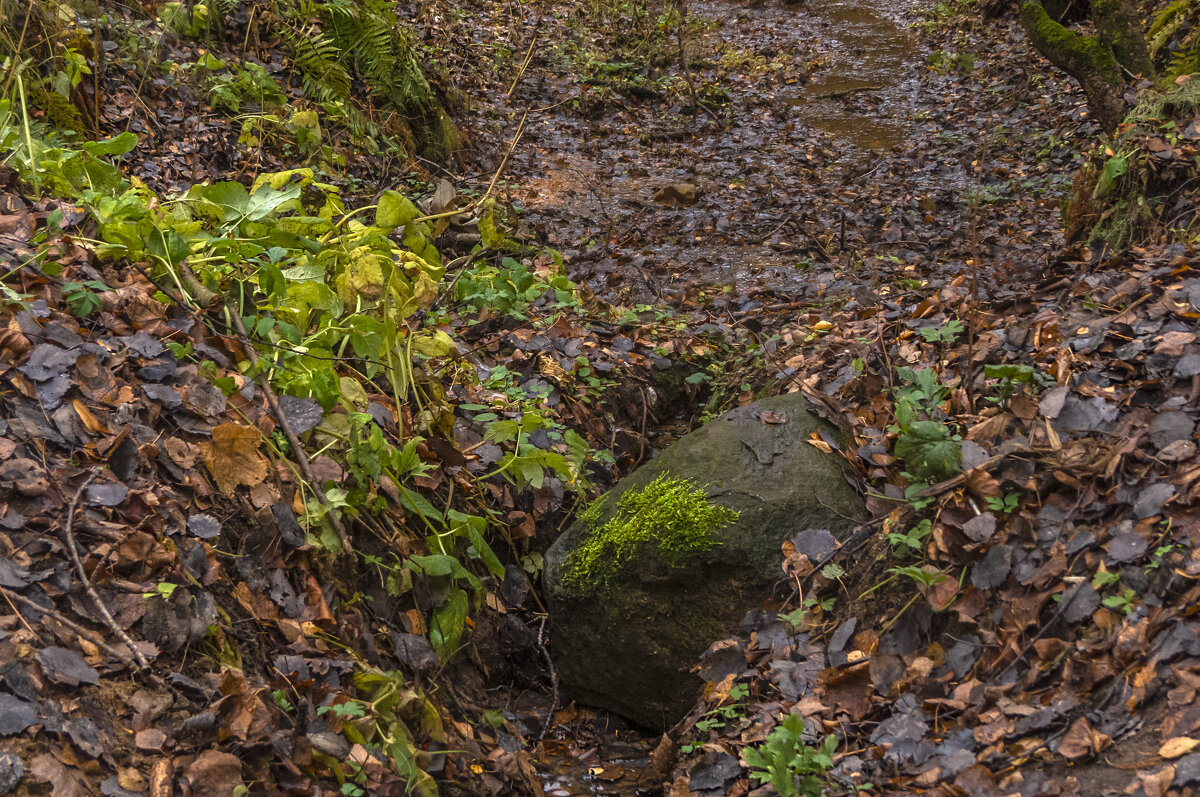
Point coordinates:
[(1180, 745), (93, 424)]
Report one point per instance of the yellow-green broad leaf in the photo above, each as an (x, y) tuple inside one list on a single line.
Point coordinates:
[(394, 210)]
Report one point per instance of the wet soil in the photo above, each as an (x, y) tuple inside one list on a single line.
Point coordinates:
[(827, 158), (838, 158)]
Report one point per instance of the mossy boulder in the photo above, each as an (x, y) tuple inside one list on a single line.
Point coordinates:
[(631, 610)]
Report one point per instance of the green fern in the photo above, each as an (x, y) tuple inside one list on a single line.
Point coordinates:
[(334, 42), (1176, 16)]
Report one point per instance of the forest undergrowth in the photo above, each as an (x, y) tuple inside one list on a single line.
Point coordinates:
[(289, 419)]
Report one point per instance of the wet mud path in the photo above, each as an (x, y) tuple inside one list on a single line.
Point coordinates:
[(838, 157)]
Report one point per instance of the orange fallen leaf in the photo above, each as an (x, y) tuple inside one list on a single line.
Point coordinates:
[(234, 458), (90, 421)]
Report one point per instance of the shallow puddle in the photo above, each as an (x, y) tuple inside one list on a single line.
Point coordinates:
[(862, 96)]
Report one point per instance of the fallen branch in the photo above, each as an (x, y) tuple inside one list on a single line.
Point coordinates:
[(264, 382), (541, 641)]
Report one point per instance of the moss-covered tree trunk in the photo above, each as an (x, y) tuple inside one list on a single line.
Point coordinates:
[(1100, 63)]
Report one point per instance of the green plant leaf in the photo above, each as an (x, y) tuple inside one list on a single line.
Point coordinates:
[(394, 210), (929, 450), (117, 145), (446, 626)]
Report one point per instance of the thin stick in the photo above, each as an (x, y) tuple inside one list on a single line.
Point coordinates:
[(69, 537), (90, 636), (20, 616), (524, 66), (301, 458), (553, 680)]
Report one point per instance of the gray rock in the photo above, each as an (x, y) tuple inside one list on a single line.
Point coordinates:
[(628, 645)]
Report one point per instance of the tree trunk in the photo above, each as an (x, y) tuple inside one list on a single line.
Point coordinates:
[(1117, 23), (1088, 59)]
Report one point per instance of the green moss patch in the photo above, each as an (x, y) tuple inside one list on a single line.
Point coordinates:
[(670, 515)]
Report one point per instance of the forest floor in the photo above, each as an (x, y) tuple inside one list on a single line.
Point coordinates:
[(860, 201)]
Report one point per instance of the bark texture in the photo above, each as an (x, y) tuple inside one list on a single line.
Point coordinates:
[(1091, 60)]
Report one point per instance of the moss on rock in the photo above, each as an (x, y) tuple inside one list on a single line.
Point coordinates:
[(627, 639), (669, 516)]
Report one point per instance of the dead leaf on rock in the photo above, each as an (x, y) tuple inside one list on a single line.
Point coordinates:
[(234, 458), (67, 781)]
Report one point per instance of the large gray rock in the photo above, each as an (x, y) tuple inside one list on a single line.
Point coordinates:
[(627, 645)]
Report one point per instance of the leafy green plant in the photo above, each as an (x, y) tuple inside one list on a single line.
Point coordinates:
[(929, 449), (279, 697), (1105, 578), (811, 603), (923, 391), (913, 495), (1160, 554), (527, 464), (923, 577), (350, 708), (81, 297), (945, 334), (249, 84), (912, 541), (791, 766), (717, 718), (1121, 602), (1013, 378), (511, 287), (1004, 504)]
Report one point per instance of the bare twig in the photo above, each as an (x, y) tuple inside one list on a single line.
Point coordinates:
[(524, 66), (836, 95), (72, 549), (91, 636), (541, 641), (264, 382)]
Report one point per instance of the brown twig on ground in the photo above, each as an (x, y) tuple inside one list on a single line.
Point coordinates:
[(264, 382), (91, 636), (20, 616), (73, 550), (524, 66), (541, 641)]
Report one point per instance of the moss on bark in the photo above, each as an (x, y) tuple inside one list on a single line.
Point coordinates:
[(1117, 23), (1088, 59)]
